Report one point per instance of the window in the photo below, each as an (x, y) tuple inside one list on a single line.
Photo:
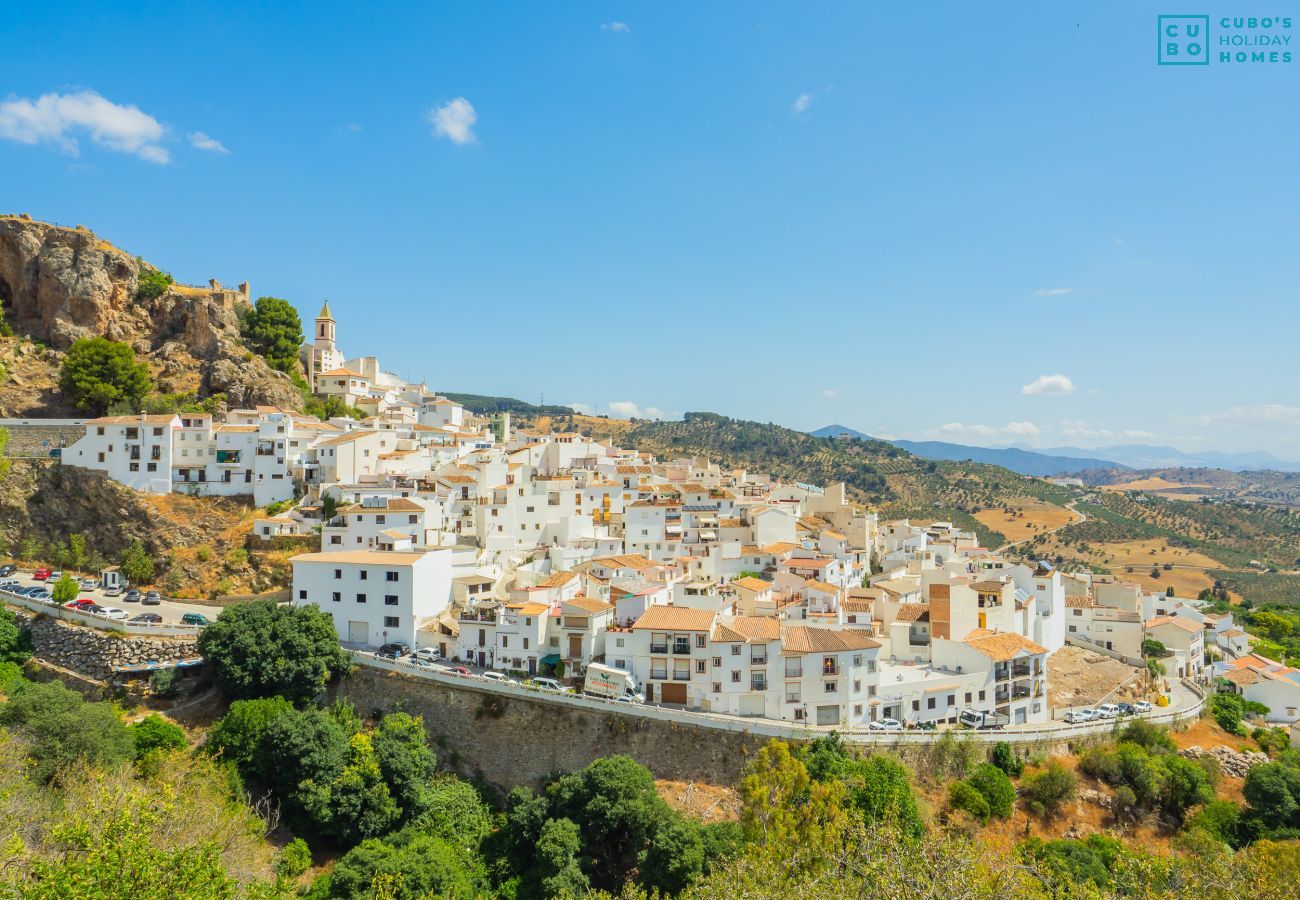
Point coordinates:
[(717, 662), (916, 706), (929, 703), (699, 641), (338, 573), (981, 695), (618, 642), (857, 709), (364, 574), (391, 621), (968, 696), (302, 595), (505, 640), (525, 643), (390, 576), (735, 678), (857, 659), (336, 539), (380, 520), (793, 667), (793, 693), (735, 649), (830, 687), (758, 681), (390, 599), (336, 597), (700, 666), (857, 685), (717, 687), (952, 699), (361, 598)]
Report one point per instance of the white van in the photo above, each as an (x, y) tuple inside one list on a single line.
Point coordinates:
[(611, 683)]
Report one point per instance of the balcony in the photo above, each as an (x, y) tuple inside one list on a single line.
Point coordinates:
[(1022, 669), (1020, 691), (758, 660), (659, 674), (228, 457), (1001, 672), (661, 649), (681, 676), (682, 648), (1002, 695)]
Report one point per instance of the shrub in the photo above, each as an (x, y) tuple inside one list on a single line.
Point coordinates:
[(63, 728), (152, 283), (98, 373), (1005, 759), (1151, 647), (163, 682), (995, 787), (967, 799), (1271, 740), (156, 733), (295, 859), (1049, 788), (65, 589), (15, 644)]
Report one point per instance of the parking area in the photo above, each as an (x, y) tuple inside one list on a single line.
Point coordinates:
[(170, 610)]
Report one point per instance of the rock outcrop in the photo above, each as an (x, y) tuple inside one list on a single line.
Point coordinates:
[(59, 284), (1232, 763), (95, 653)]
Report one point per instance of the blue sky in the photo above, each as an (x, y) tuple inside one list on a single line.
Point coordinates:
[(899, 218)]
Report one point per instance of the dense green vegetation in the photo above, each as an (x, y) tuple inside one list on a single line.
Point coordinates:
[(261, 649), (273, 330), (483, 405), (151, 283), (97, 374)]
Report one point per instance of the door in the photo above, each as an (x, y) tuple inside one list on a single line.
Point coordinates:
[(674, 693), (575, 646), (358, 633), (752, 705), (649, 693), (828, 715)]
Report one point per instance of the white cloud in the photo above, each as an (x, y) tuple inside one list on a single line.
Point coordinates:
[(1263, 414), (1077, 429), (626, 409), (830, 393), (454, 121), (801, 104), (1011, 430), (1053, 292), (618, 27), (1048, 384), (201, 141), (59, 118)]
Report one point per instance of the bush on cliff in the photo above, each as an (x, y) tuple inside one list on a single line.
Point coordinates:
[(274, 330), (98, 373), (260, 650), (64, 729)]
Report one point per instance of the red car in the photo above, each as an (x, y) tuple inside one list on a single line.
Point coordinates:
[(42, 574), (458, 670), (79, 603)]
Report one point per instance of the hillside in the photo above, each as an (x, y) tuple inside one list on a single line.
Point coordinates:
[(58, 284), (1264, 486), (1025, 462)]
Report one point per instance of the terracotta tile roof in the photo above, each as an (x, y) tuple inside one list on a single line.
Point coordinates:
[(556, 579), (750, 583), (529, 609), (353, 435), (1180, 621), (780, 548), (661, 617), (800, 639), (824, 586), (626, 561), (913, 612), (1080, 603), (989, 585), (747, 629), (588, 604), (131, 420), (394, 504), (1001, 646), (797, 562)]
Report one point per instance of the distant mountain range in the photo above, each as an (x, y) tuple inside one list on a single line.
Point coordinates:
[(1072, 460)]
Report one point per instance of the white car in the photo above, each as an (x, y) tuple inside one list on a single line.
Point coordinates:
[(420, 662), (88, 584), (1140, 707), (550, 684), (628, 699), (885, 725), (428, 654), (112, 612), (1081, 715), (1108, 711), (498, 676)]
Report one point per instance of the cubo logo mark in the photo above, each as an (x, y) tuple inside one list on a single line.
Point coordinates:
[(1183, 40)]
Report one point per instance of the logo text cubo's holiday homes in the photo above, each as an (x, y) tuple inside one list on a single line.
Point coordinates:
[(1198, 40)]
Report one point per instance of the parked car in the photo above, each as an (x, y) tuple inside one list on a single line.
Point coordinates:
[(1108, 711), (394, 650), (54, 576), (1141, 706), (42, 574), (550, 684), (7, 569), (147, 619), (112, 612), (94, 609), (88, 584), (420, 662), (629, 698), (1125, 709), (428, 654), (132, 596), (153, 598), (81, 603), (195, 619), (885, 725), (114, 592), (1081, 715), (498, 676), (40, 594), (459, 670), (11, 586)]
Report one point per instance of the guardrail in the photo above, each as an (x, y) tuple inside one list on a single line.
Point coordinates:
[(56, 611), (770, 727)]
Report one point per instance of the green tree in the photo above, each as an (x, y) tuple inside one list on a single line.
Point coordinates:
[(151, 283), (416, 865), (238, 736), (15, 644), (137, 564), (674, 857), (98, 373), (558, 872), (261, 649), (355, 804), (295, 859), (405, 760), (452, 809), (153, 732), (1152, 647), (1272, 792), (962, 796), (1049, 788), (63, 728), (1005, 759), (274, 330), (783, 807), (65, 589), (995, 787), (1272, 625)]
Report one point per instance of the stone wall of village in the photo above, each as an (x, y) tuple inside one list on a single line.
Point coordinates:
[(510, 741), (95, 653)]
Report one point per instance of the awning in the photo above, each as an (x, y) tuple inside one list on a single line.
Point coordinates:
[(550, 659), (708, 535)]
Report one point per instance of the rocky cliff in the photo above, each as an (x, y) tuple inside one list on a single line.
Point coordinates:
[(59, 284)]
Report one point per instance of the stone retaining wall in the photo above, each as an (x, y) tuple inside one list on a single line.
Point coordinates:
[(95, 653)]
